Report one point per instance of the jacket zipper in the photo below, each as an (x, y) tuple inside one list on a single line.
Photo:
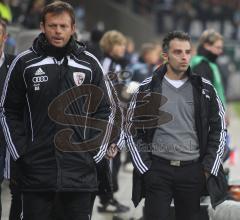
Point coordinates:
[(59, 174), (198, 121)]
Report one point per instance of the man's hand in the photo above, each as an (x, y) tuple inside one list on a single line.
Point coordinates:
[(227, 120), (112, 151), (207, 174)]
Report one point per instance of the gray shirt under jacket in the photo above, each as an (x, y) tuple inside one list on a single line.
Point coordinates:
[(177, 139)]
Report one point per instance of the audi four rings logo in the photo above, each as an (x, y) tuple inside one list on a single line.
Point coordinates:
[(39, 79)]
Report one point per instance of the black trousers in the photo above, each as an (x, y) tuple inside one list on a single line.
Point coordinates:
[(116, 164), (2, 164), (0, 201), (164, 182), (16, 202), (40, 205)]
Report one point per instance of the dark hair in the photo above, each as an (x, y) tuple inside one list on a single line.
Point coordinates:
[(174, 35), (58, 7), (4, 25)]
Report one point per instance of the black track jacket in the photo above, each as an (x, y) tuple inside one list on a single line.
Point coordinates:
[(210, 124), (50, 107)]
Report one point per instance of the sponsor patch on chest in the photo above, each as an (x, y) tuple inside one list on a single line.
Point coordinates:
[(78, 78), (38, 78)]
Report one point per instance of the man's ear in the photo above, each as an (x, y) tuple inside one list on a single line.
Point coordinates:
[(5, 37), (165, 57), (73, 29), (42, 27), (207, 46)]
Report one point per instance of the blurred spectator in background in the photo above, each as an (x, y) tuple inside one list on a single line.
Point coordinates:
[(79, 12), (33, 14), (143, 7), (130, 55), (236, 22), (184, 13), (189, 15), (113, 44), (147, 62), (5, 61), (16, 9), (203, 9), (7, 49), (204, 63), (3, 68), (164, 11), (10, 45), (159, 48), (93, 44), (6, 16), (5, 11), (225, 64)]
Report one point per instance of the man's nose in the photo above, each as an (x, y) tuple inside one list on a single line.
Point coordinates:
[(58, 29), (184, 56)]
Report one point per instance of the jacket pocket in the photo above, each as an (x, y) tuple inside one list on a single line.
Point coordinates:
[(217, 187)]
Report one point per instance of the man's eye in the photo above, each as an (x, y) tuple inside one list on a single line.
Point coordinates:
[(177, 52)]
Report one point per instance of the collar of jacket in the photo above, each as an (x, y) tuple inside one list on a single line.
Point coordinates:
[(161, 71), (206, 53), (42, 47), (122, 61)]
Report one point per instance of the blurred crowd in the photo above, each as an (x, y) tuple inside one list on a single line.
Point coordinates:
[(27, 12), (179, 14), (167, 14)]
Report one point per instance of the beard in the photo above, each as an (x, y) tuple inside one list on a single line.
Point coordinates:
[(178, 71)]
